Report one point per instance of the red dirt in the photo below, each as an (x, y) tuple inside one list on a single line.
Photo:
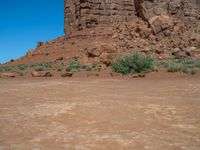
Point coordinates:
[(153, 113)]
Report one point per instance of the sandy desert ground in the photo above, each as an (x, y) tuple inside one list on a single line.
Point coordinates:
[(153, 113)]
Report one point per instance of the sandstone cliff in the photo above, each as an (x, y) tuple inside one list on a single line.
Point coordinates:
[(80, 14)]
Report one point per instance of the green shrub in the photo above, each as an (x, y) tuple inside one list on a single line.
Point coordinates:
[(1, 69), (197, 64), (7, 69), (86, 68), (189, 62), (185, 66), (23, 66), (59, 70), (188, 70), (136, 62), (193, 72), (173, 66), (74, 66), (42, 66), (20, 74), (40, 69), (97, 69)]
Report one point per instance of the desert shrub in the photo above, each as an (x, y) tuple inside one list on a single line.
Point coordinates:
[(197, 64), (40, 69), (74, 66), (20, 74), (42, 66), (185, 66), (1, 69), (86, 67), (189, 62), (7, 69), (173, 66), (23, 66), (97, 69), (59, 70), (135, 62)]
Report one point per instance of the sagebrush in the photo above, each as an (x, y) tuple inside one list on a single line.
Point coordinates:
[(135, 62)]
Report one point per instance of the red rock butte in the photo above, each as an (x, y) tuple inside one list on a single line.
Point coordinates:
[(80, 14)]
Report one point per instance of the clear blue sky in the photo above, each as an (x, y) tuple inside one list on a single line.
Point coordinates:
[(25, 22)]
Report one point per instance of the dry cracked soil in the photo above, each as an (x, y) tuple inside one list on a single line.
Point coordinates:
[(153, 113)]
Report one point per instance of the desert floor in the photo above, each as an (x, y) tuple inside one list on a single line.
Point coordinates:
[(152, 113)]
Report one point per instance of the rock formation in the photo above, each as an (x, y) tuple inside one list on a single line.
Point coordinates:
[(80, 14), (98, 31), (87, 13)]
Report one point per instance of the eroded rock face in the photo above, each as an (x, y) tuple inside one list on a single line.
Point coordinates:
[(101, 54), (80, 14), (186, 10), (88, 13)]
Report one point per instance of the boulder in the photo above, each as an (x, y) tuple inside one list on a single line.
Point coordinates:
[(138, 75), (8, 75), (106, 58), (161, 23), (98, 48), (94, 51), (67, 74), (167, 32), (193, 48), (92, 74), (39, 44), (106, 47), (59, 59), (185, 10), (114, 36), (41, 74), (180, 54)]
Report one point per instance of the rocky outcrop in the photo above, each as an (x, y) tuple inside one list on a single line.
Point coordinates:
[(41, 74), (186, 10), (81, 14), (67, 74), (101, 53), (8, 75)]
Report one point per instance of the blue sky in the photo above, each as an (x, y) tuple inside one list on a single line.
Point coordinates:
[(25, 22)]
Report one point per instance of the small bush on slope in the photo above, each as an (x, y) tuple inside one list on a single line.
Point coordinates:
[(7, 69), (185, 66), (136, 62), (42, 66), (74, 66), (23, 66)]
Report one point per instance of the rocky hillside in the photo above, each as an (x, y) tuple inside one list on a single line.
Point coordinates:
[(98, 31)]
